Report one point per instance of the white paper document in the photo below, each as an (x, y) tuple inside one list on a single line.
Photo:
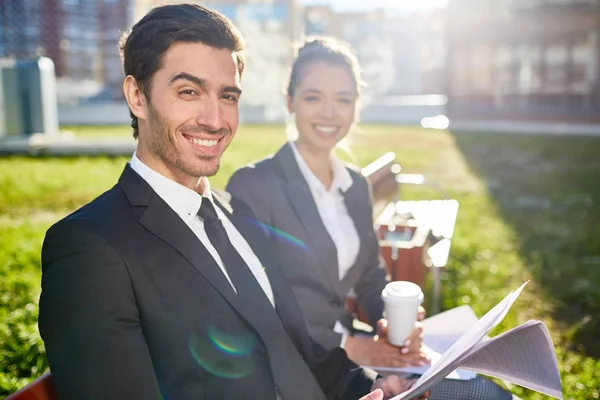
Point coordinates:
[(433, 356), (440, 332), (523, 355)]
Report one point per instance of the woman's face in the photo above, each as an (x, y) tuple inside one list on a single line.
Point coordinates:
[(324, 102)]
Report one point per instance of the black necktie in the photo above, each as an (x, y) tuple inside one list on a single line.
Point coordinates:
[(292, 376), (242, 278)]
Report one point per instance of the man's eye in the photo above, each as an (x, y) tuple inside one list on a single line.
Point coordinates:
[(187, 92), (230, 98)]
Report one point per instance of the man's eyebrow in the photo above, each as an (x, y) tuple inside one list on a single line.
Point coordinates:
[(184, 76), (232, 89)]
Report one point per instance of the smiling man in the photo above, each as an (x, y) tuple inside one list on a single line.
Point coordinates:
[(161, 289), (188, 109)]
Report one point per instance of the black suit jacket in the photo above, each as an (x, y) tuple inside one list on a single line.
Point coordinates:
[(134, 307), (280, 197)]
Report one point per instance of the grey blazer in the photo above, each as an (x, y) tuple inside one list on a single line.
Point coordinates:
[(280, 198)]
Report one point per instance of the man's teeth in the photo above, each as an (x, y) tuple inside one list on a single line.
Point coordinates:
[(326, 129), (205, 142)]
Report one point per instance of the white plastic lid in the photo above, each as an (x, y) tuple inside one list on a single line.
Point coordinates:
[(401, 291)]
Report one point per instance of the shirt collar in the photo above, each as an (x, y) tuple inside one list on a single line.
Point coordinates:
[(342, 180), (182, 200)]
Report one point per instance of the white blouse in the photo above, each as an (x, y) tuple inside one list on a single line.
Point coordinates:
[(333, 211)]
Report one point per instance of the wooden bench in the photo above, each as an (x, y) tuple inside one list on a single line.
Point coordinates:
[(405, 259), (381, 175), (403, 247), (40, 389)]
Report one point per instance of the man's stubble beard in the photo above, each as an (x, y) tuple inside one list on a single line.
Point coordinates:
[(164, 146)]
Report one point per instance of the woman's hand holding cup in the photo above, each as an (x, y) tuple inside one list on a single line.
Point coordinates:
[(378, 352), (412, 344)]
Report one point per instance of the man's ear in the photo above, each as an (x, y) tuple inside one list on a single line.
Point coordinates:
[(134, 96)]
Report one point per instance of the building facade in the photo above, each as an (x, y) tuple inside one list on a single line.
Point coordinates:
[(80, 36), (400, 54), (524, 60), (367, 33)]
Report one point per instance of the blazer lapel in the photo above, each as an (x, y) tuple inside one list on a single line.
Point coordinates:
[(164, 223), (300, 196), (355, 203), (357, 209)]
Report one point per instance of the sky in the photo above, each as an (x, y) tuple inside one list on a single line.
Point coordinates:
[(393, 6)]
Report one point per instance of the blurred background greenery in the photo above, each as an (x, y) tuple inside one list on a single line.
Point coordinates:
[(529, 209)]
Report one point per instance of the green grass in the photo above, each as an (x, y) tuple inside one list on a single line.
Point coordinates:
[(529, 209)]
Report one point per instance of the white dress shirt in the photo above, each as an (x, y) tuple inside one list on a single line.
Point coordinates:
[(186, 203), (334, 214)]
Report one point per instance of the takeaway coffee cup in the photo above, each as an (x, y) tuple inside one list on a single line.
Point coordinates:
[(401, 301)]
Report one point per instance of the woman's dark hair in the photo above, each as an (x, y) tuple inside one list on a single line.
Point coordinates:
[(143, 47), (324, 49)]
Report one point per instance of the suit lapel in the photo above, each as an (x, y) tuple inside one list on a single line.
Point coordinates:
[(287, 308), (164, 223), (288, 311), (301, 199)]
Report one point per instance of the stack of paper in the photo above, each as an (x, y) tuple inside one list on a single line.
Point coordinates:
[(523, 355)]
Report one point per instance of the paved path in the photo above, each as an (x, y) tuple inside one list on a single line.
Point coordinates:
[(545, 128)]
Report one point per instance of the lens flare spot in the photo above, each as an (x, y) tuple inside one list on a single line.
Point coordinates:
[(224, 354), (281, 235), (231, 344)]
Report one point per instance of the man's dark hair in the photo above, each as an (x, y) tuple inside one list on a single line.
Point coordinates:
[(143, 47)]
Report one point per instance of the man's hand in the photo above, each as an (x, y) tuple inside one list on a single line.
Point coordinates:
[(374, 395), (391, 386)]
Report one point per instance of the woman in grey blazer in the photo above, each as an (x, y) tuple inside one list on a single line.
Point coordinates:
[(319, 215)]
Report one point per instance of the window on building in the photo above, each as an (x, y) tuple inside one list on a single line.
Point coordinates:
[(582, 54), (556, 63), (461, 71), (529, 58), (482, 68)]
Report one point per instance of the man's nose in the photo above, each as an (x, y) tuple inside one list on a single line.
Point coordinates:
[(210, 114)]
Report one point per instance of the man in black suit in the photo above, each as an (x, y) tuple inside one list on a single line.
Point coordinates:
[(161, 288)]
